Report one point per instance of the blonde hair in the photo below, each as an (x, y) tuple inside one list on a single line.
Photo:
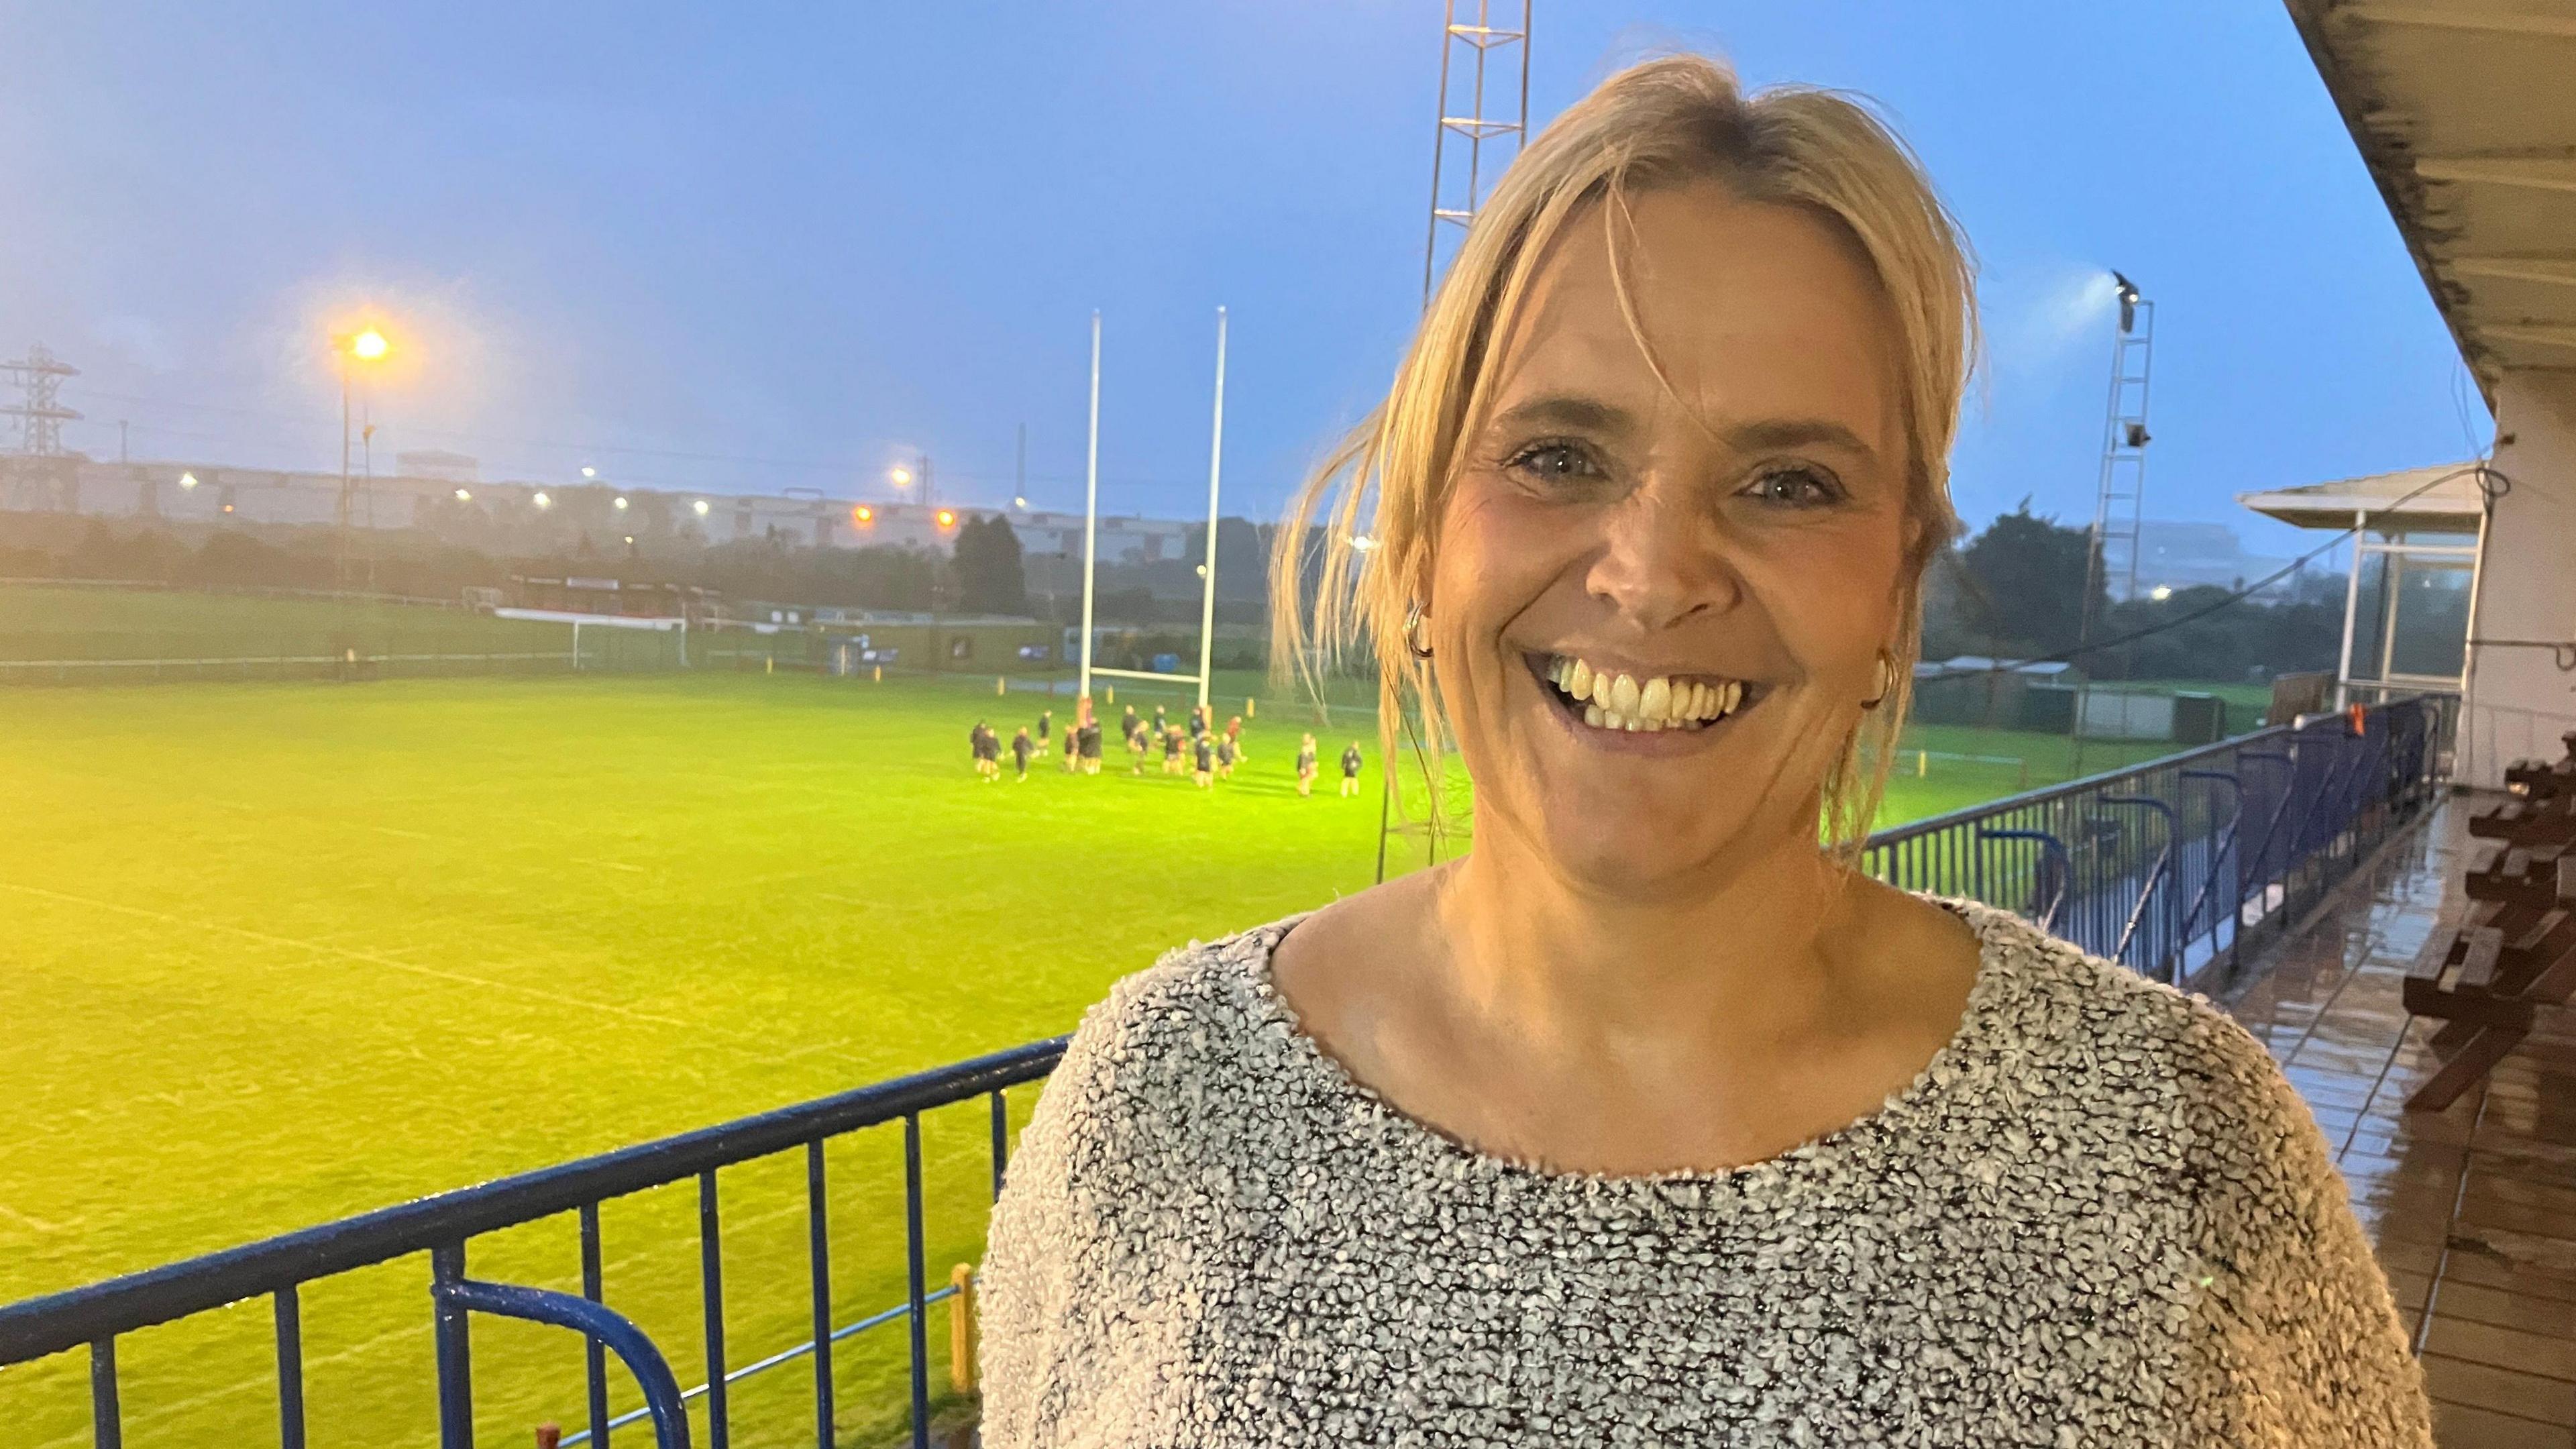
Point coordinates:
[(1663, 123)]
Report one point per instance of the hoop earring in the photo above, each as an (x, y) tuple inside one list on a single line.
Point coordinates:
[(1886, 683), (1413, 617)]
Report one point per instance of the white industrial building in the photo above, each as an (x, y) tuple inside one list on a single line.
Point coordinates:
[(443, 491)]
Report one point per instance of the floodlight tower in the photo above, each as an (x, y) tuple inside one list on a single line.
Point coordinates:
[(1483, 120), (2120, 501), (1492, 45)]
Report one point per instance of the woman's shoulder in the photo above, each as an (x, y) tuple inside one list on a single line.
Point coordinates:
[(1169, 1045), (2118, 1052)]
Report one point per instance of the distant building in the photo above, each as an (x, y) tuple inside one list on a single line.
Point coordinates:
[(443, 466), (2409, 580), (444, 492)]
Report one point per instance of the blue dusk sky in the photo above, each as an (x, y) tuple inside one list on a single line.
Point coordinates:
[(751, 246)]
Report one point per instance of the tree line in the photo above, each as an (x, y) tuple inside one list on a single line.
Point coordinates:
[(2015, 590)]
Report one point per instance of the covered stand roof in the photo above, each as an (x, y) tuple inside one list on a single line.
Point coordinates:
[(2465, 112), (2449, 505)]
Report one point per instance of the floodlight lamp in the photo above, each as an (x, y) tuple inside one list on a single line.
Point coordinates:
[(1019, 503), (621, 502), (542, 501), (630, 538), (369, 346), (187, 480), (699, 507), (464, 497), (589, 472), (2160, 592), (899, 477)]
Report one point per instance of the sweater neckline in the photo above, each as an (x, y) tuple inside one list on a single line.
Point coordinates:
[(2001, 936)]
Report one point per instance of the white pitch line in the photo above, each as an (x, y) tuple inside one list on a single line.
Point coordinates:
[(550, 997)]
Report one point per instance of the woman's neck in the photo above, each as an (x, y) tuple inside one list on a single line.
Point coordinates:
[(1744, 959)]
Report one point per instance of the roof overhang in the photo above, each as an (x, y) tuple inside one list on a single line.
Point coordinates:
[(2465, 113), (2446, 499)]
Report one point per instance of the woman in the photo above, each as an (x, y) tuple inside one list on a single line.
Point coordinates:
[(1649, 1120)]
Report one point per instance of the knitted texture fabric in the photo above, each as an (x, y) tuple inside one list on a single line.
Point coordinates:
[(2099, 1216)]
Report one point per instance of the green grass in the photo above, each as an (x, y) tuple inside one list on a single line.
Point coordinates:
[(280, 953), (48, 622)]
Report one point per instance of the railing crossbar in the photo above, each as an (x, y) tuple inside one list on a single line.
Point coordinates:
[(783, 1356)]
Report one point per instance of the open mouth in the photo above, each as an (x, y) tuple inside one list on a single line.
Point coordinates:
[(1613, 701)]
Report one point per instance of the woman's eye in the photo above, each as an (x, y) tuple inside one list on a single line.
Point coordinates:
[(1554, 463), (1796, 487)]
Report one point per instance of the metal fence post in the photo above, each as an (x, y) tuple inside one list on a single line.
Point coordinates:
[(455, 1354)]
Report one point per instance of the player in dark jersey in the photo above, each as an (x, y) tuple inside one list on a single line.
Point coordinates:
[(1160, 723), (1046, 722), (1127, 725), (1225, 757), (1021, 748), (1306, 766), (1204, 762), (1171, 749), (1090, 733), (988, 751), (1137, 745), (1234, 735), (1351, 770)]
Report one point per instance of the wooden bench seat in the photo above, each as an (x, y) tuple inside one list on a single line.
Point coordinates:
[(2515, 951)]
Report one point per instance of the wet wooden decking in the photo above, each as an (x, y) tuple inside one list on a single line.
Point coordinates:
[(2473, 1210)]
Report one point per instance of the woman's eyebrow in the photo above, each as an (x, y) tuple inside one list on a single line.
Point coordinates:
[(1566, 410), (1768, 433)]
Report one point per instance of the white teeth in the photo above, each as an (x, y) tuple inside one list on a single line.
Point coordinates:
[(1621, 702)]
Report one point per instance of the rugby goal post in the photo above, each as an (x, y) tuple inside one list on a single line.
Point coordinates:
[(1091, 533)]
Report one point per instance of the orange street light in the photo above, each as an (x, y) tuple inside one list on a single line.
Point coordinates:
[(863, 515), (947, 518)]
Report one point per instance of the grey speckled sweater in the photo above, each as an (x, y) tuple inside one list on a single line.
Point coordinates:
[(2100, 1216)]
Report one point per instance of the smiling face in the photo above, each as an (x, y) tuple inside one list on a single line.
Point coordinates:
[(1658, 610)]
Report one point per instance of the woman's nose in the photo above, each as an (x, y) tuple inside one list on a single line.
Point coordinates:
[(1661, 562)]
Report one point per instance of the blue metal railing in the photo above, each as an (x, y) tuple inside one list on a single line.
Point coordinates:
[(2177, 865), (2172, 867), (441, 1226)]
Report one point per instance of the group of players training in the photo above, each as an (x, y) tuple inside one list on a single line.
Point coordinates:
[(1213, 752)]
